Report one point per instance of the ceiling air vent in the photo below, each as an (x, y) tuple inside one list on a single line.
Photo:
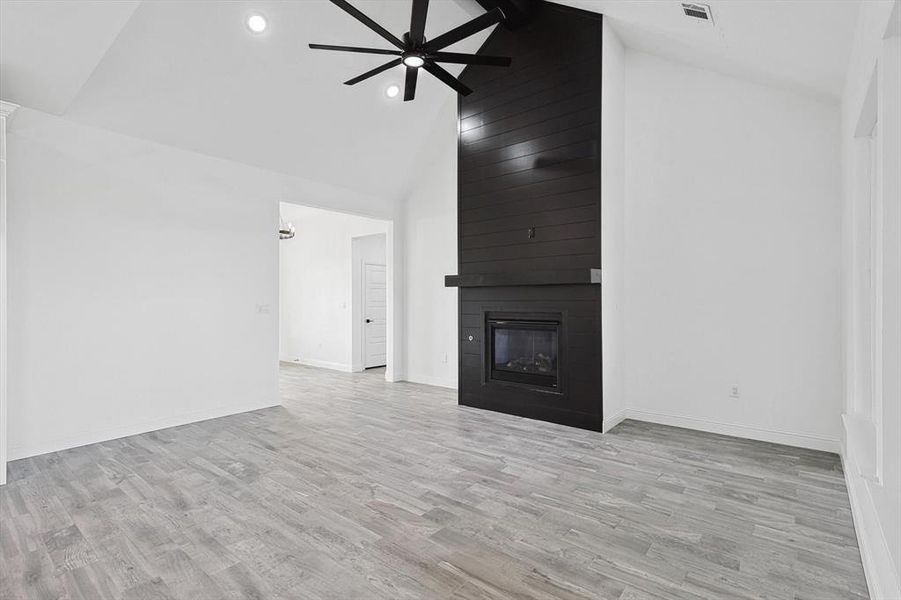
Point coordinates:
[(697, 11)]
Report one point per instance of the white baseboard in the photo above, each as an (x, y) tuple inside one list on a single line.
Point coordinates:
[(84, 438), (788, 438), (444, 382), (393, 375), (882, 581), (614, 420), (322, 364)]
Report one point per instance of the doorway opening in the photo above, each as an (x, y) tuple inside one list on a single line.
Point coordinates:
[(336, 299), (370, 302)]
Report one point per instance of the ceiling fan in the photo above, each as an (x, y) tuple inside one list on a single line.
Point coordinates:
[(415, 52)]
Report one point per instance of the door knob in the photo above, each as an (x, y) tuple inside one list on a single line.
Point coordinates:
[(369, 320)]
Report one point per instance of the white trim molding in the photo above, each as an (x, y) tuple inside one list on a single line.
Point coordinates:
[(6, 111), (614, 419), (882, 581), (100, 435), (444, 382), (321, 364), (774, 436)]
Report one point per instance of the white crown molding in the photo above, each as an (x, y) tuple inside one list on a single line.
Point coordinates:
[(7, 108)]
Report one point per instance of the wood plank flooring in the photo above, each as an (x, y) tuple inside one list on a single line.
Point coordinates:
[(356, 488)]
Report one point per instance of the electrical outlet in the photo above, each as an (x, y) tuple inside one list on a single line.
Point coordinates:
[(734, 392)]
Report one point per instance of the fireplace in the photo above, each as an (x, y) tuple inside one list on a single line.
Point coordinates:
[(523, 351), (529, 221)]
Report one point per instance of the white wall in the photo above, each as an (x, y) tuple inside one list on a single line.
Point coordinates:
[(430, 221), (721, 253), (316, 291), (871, 448), (732, 255), (613, 199), (140, 296), (143, 282)]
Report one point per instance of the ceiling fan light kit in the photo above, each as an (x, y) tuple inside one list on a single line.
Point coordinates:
[(415, 52)]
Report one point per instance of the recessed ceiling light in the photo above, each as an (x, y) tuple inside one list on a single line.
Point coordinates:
[(257, 23), (392, 91)]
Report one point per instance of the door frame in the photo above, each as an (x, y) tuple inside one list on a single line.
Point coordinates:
[(393, 298), (362, 316)]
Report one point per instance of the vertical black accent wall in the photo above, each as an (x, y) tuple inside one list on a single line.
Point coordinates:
[(529, 209)]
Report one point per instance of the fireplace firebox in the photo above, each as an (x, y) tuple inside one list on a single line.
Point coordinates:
[(524, 351)]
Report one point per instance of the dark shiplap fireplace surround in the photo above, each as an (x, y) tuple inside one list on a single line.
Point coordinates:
[(529, 222)]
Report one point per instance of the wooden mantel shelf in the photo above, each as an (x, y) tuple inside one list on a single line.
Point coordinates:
[(556, 277)]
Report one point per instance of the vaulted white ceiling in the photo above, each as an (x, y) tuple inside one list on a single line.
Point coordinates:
[(48, 49), (803, 45), (190, 75)]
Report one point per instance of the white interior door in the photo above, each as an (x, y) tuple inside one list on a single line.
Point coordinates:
[(375, 311)]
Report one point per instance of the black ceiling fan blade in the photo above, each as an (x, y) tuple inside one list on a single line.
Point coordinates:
[(470, 59), (374, 71), (359, 16), (465, 30), (446, 78), (355, 49), (417, 21), (410, 83)]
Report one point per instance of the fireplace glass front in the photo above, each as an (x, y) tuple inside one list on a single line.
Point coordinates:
[(524, 351)]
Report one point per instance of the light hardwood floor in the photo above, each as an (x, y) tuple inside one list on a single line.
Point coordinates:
[(356, 488)]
